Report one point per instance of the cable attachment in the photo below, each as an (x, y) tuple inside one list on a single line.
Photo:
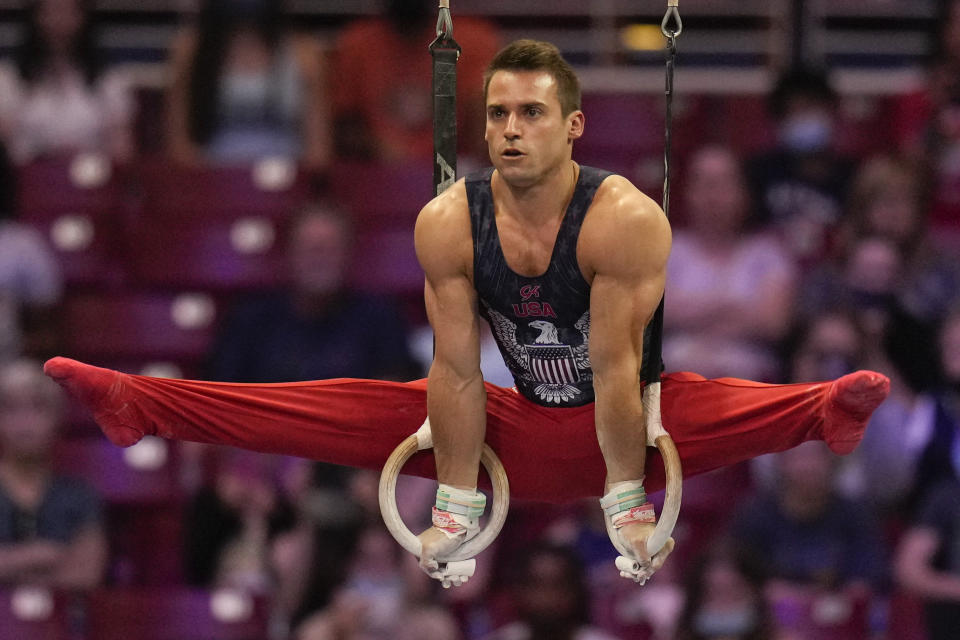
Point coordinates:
[(669, 31), (444, 22)]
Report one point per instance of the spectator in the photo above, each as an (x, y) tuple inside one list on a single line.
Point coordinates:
[(244, 87), (887, 210), (810, 537), (731, 291), (57, 99), (927, 121), (725, 599), (800, 185), (30, 288), (384, 112), (316, 328), (552, 598), (928, 560), (51, 526), (231, 524)]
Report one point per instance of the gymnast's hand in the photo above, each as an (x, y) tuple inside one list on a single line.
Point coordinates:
[(635, 535), (434, 544)]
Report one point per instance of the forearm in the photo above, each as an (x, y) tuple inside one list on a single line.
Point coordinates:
[(621, 432), (929, 584), (31, 559), (457, 410)]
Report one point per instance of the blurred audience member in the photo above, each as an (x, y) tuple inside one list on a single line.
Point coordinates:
[(245, 87), (731, 291), (316, 328), (888, 201), (725, 599), (384, 111), (927, 121), (552, 598), (57, 100), (51, 526), (927, 564), (801, 185), (380, 581), (30, 287), (231, 523), (810, 538)]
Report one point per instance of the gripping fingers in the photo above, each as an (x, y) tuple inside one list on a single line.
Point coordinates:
[(435, 544)]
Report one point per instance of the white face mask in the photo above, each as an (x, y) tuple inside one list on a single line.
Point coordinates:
[(723, 624), (807, 133)]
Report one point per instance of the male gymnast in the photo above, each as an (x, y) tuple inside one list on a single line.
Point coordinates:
[(567, 264)]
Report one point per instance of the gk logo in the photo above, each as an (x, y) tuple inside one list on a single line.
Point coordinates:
[(530, 291)]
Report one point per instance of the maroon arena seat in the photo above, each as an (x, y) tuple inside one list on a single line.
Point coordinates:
[(175, 614), (217, 254), (268, 189), (32, 613), (382, 196), (111, 327)]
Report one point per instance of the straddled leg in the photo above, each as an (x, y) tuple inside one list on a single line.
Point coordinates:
[(550, 454)]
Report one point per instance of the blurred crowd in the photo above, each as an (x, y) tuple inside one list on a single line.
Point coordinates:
[(800, 256)]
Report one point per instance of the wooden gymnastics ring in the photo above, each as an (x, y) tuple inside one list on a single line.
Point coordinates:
[(658, 437), (421, 440)]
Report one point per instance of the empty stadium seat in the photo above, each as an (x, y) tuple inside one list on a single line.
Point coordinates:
[(382, 196), (141, 474), (142, 327), (272, 188), (175, 614), (33, 613), (77, 204), (218, 254)]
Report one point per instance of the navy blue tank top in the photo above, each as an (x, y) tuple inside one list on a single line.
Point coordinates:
[(541, 324)]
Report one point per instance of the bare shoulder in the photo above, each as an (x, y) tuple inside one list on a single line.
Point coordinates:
[(442, 235), (624, 229)]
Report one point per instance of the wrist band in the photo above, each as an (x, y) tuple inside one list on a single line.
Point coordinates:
[(457, 511), (626, 502)]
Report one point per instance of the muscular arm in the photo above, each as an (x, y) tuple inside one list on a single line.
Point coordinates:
[(624, 245), (456, 400)]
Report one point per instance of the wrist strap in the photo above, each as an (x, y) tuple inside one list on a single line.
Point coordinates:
[(623, 496), (626, 502), (457, 511)]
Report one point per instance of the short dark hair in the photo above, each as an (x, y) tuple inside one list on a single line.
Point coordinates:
[(536, 55), (801, 82)]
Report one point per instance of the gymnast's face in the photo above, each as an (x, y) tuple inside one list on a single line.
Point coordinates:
[(527, 135)]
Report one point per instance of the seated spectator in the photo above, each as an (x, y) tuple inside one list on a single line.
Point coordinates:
[(56, 99), (889, 200), (927, 564), (244, 87), (926, 121), (51, 526), (725, 599), (810, 538), (316, 328), (800, 185), (30, 288), (384, 112), (551, 597), (730, 291), (231, 524)]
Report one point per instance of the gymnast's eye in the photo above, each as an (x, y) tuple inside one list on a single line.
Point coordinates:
[(533, 112), (495, 113)]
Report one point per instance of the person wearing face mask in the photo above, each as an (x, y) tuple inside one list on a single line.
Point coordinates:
[(724, 599), (800, 185)]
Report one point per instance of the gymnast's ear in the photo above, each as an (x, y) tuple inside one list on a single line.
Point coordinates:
[(575, 122)]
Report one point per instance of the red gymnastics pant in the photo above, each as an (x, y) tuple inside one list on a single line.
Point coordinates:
[(550, 454)]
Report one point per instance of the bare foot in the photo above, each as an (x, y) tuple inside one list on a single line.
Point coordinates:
[(850, 402)]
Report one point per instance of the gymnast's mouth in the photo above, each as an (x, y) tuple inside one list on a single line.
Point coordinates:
[(512, 153)]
